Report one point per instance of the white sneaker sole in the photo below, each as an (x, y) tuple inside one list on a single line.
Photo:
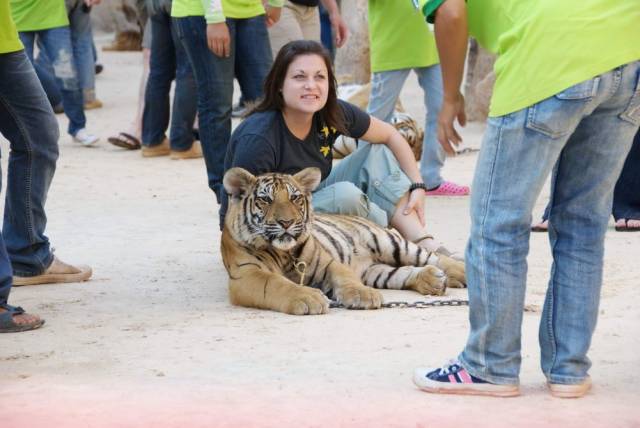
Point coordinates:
[(485, 389)]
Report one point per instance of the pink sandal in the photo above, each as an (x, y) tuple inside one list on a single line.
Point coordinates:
[(447, 188)]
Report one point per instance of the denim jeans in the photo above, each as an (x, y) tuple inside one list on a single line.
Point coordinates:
[(56, 43), (385, 90), (368, 183), (83, 56), (27, 121), (626, 194), (587, 130), (214, 79), (168, 61)]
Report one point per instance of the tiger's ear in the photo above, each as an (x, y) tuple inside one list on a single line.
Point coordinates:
[(308, 179), (237, 182)]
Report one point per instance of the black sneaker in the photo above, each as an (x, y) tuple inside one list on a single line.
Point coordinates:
[(452, 378)]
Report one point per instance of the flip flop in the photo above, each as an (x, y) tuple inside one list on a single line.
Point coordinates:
[(9, 325), (126, 141)]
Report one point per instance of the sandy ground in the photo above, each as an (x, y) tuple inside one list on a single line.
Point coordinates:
[(152, 340)]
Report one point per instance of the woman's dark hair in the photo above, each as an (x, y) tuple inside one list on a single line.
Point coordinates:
[(331, 113)]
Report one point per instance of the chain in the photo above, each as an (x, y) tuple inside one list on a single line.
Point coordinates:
[(417, 305)]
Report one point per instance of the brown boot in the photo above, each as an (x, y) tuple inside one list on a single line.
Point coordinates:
[(126, 41), (57, 272)]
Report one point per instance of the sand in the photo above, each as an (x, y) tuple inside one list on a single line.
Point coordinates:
[(152, 340)]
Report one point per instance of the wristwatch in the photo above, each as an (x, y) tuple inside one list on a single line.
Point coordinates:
[(415, 186)]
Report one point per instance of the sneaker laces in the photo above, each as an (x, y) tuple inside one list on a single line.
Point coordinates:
[(451, 366)]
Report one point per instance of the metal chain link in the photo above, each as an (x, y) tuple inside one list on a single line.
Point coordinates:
[(417, 305)]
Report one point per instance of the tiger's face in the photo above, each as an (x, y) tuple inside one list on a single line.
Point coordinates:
[(271, 209)]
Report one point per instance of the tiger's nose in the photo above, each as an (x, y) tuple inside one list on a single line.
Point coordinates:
[(285, 223)]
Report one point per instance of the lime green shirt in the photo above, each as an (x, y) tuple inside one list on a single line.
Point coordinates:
[(34, 15), (9, 41), (217, 10), (546, 46), (398, 37)]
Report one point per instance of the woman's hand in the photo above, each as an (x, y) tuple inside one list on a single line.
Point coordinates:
[(218, 39), (452, 109), (416, 203)]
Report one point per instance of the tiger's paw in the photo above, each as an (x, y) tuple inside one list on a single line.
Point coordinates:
[(429, 280), (306, 301), (359, 296), (454, 269)]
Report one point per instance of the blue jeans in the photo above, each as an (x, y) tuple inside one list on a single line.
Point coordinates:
[(587, 130), (168, 61), (385, 90), (83, 56), (27, 121), (56, 43), (214, 79)]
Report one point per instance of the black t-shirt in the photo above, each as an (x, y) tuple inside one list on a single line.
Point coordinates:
[(309, 3), (262, 143)]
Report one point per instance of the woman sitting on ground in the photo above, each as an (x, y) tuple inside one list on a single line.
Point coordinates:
[(295, 126)]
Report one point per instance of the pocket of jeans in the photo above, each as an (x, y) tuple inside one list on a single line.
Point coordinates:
[(557, 116), (632, 112)]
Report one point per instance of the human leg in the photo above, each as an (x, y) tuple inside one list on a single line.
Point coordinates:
[(580, 208), (155, 117), (214, 80), (385, 90), (28, 123), (626, 196), (56, 42), (185, 101), (286, 29), (346, 198), (252, 56), (82, 42)]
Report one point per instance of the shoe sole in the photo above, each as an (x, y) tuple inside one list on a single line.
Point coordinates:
[(569, 391), (483, 389), (52, 278), (90, 144), (153, 154), (180, 155)]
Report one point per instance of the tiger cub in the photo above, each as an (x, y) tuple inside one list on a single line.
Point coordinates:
[(270, 227)]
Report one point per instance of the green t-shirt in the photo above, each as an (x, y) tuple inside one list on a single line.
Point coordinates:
[(34, 15), (9, 41), (398, 37), (546, 46), (218, 10)]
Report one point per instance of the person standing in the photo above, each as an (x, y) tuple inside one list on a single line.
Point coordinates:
[(227, 39), (27, 121), (168, 61), (46, 22), (395, 24), (553, 103)]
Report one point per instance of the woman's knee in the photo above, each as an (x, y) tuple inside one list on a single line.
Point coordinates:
[(349, 199)]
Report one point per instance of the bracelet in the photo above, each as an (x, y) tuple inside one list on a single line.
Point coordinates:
[(415, 186)]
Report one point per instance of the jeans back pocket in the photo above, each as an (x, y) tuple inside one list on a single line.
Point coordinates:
[(557, 116), (632, 112)]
